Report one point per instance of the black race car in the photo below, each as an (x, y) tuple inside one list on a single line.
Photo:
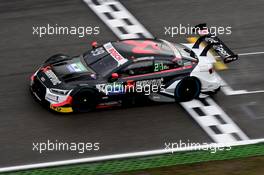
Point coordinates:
[(118, 73)]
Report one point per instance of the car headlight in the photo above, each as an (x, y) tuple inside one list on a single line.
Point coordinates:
[(59, 91)]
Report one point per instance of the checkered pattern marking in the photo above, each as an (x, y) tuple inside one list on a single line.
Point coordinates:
[(214, 121), (118, 19)]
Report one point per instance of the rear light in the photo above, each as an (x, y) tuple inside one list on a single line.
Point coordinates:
[(211, 70)]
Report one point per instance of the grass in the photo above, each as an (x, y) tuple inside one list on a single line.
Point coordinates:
[(245, 166)]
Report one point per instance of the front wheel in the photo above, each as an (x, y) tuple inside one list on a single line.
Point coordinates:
[(84, 101), (187, 89)]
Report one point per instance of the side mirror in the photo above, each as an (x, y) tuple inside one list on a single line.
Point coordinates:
[(114, 76), (94, 44)]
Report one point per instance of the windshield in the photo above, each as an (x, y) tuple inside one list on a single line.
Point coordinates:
[(104, 66), (180, 51), (103, 60), (186, 53), (79, 66)]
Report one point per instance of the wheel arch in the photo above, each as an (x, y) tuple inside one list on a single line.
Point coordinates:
[(185, 79)]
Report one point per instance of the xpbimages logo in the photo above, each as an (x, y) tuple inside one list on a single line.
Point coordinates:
[(180, 29), (80, 31), (183, 145), (79, 147), (143, 86)]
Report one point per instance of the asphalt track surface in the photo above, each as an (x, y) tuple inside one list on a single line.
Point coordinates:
[(23, 121)]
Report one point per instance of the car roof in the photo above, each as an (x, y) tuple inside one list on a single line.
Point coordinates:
[(143, 48)]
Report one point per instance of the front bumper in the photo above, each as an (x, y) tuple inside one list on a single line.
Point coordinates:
[(55, 102)]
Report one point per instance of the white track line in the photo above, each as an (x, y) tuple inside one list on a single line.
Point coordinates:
[(214, 121), (247, 53), (250, 53), (125, 155), (227, 90)]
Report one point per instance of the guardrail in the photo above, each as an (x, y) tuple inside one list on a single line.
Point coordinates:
[(139, 160)]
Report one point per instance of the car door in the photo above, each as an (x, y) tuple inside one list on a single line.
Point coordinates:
[(140, 77)]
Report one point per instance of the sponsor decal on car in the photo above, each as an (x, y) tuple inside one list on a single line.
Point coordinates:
[(115, 54), (42, 79), (52, 77), (76, 67), (160, 66), (220, 49), (61, 109), (155, 82), (52, 97), (149, 86)]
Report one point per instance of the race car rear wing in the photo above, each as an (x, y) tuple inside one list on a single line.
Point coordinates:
[(213, 42)]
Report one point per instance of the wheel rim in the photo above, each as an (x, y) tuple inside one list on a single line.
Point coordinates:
[(188, 89), (84, 102)]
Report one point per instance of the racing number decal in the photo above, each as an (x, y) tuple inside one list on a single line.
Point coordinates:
[(58, 109), (115, 54), (147, 47), (97, 51), (160, 67)]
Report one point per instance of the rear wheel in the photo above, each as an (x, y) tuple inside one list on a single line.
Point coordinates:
[(84, 100), (187, 89)]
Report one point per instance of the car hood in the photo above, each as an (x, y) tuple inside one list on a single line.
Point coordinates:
[(72, 70), (66, 74)]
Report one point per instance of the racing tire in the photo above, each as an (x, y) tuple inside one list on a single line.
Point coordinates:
[(188, 89), (56, 58), (84, 100)]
